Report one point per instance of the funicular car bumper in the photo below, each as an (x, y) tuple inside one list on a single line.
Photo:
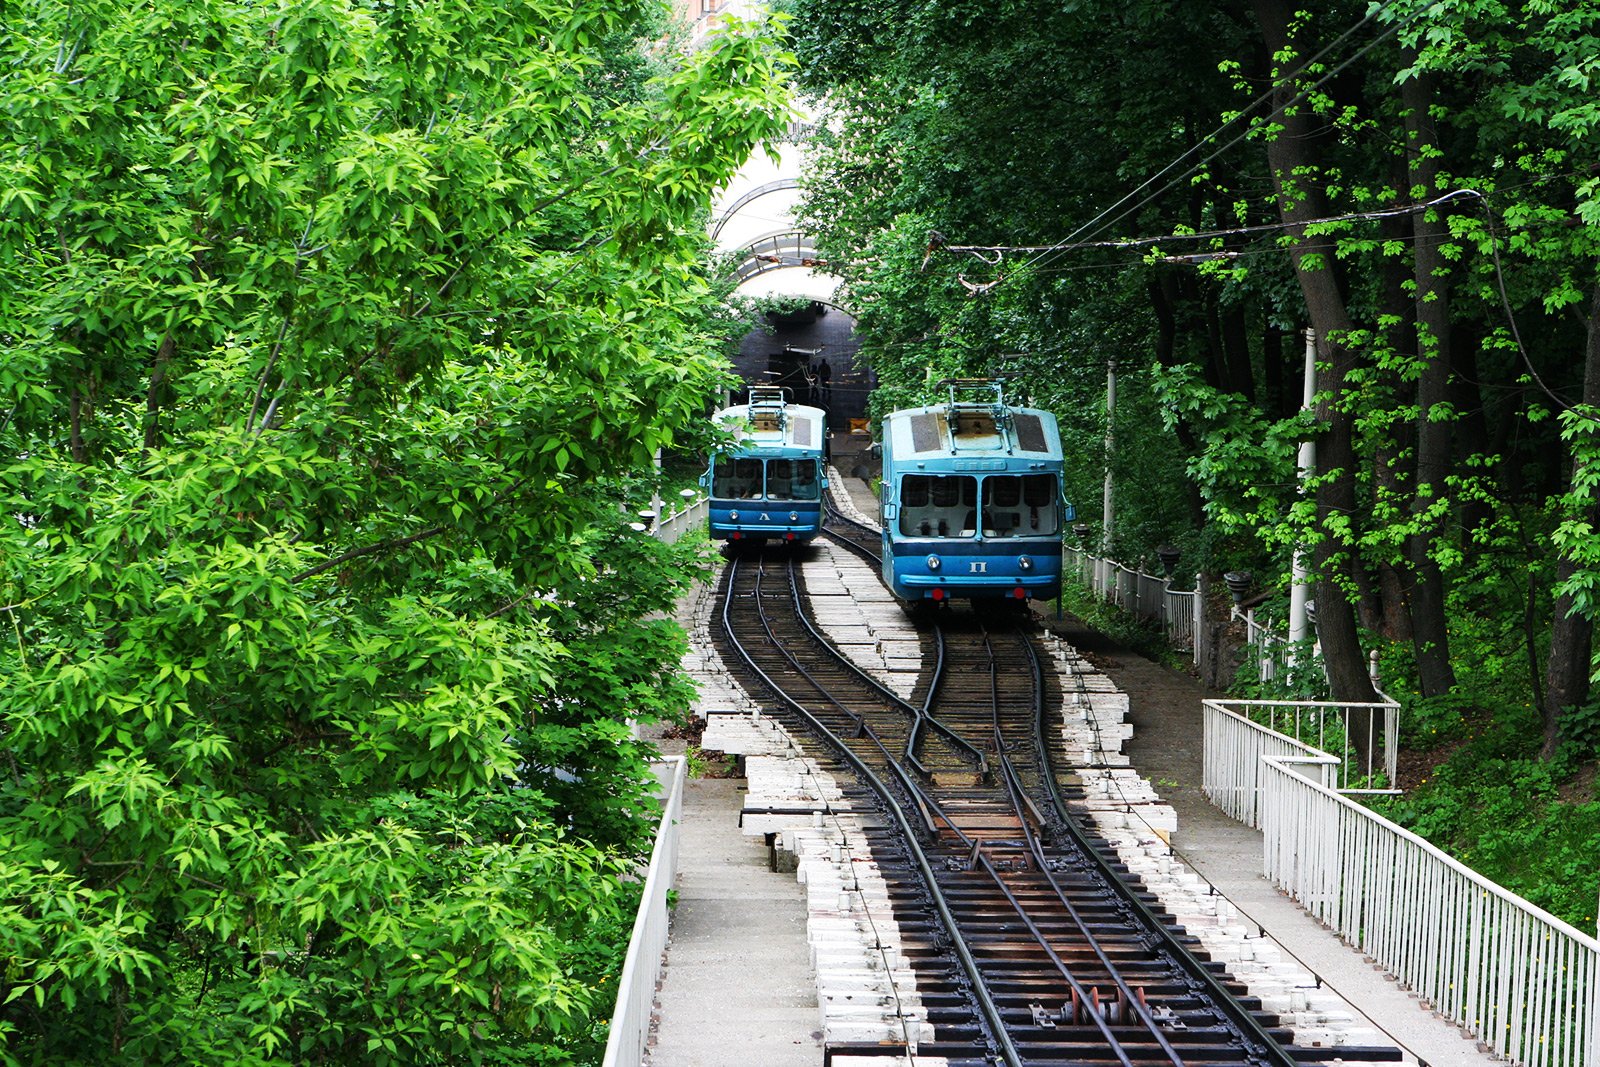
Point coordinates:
[(784, 521)]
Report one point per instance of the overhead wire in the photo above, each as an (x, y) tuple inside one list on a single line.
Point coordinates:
[(1298, 98), (1235, 231), (1265, 97), (1511, 318), (1043, 254)]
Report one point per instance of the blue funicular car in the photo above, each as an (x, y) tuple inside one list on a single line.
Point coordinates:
[(971, 497), (769, 485)]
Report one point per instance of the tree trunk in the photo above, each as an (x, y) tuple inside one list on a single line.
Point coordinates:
[(1472, 431), (152, 400), (1236, 347), (1430, 637), (1162, 303), (1391, 469), (1572, 633), (1291, 158), (1283, 399), (80, 454)]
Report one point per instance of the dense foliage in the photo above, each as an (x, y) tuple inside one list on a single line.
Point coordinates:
[(1040, 189), (334, 332)]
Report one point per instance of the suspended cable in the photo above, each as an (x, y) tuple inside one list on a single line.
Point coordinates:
[(983, 251), (1265, 97), (1045, 252)]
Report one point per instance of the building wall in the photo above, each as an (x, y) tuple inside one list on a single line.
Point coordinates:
[(792, 355)]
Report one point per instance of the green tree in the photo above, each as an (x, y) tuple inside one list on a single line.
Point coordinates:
[(1014, 126), (1184, 188), (1032, 126), (333, 334), (1530, 68)]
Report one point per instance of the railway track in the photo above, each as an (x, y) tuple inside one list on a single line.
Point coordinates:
[(1029, 944)]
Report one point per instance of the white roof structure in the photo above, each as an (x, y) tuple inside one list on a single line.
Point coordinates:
[(755, 213)]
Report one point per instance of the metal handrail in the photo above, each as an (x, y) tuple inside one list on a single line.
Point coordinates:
[(765, 253), (1234, 746), (636, 987), (1519, 979), (676, 523), (1143, 594), (750, 196), (630, 1017)]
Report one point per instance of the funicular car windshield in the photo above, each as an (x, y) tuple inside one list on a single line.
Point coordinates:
[(1014, 505), (1019, 505), (773, 479), (736, 479), (792, 479), (938, 505)]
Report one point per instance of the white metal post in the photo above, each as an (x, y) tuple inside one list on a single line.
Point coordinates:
[(1198, 603), (1300, 590), (1111, 410), (655, 495)]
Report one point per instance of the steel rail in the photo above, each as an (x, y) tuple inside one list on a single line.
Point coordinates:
[(988, 1009), (935, 680), (1258, 1044), (919, 716), (913, 731), (1171, 957), (862, 730), (1017, 794), (1155, 931), (1135, 1002), (1078, 988), (837, 518), (980, 859)]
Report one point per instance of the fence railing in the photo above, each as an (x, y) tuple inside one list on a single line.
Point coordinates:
[(636, 988), (1514, 976), (1177, 611), (685, 517), (1140, 594), (1273, 651), (1238, 734)]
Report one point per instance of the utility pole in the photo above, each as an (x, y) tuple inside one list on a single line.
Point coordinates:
[(1300, 589), (1106, 512)]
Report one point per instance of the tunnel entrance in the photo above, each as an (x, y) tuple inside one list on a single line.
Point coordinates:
[(812, 351)]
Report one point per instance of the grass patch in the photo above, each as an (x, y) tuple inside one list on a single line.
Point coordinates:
[(1503, 817)]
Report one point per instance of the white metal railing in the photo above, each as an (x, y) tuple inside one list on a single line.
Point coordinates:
[(1274, 652), (1516, 977), (1238, 734), (1181, 615), (676, 523), (636, 988), (1139, 593)]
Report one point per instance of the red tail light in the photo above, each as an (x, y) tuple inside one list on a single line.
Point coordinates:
[(1019, 593)]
